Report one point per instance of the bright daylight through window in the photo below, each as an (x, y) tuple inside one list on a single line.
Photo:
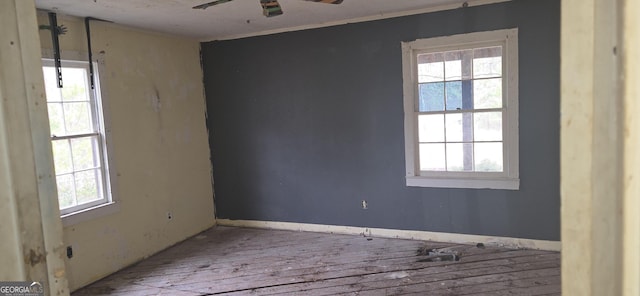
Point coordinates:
[(77, 137), (461, 110)]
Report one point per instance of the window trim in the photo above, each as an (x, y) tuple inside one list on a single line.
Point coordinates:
[(102, 117), (509, 178)]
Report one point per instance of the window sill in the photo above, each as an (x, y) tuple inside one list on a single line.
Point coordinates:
[(90, 213), (469, 183)]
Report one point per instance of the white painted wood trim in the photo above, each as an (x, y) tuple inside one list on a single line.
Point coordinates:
[(630, 34), (90, 213), (31, 226), (380, 16), (409, 93), (473, 183), (508, 242), (594, 136)]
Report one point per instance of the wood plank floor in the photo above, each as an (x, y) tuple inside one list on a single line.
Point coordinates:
[(244, 261)]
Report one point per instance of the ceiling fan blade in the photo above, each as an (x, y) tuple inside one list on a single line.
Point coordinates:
[(271, 8), (212, 3), (327, 1)]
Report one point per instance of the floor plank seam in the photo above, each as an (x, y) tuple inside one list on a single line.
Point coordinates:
[(395, 269), (359, 275), (415, 269), (442, 280), (498, 282)]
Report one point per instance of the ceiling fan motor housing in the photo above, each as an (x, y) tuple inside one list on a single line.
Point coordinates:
[(327, 1), (270, 8)]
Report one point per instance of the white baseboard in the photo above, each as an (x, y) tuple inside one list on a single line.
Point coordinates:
[(508, 242)]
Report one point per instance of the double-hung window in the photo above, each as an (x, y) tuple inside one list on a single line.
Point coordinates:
[(77, 136), (461, 110)]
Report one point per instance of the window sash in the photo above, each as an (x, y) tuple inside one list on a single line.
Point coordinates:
[(503, 110), (101, 180), (474, 173)]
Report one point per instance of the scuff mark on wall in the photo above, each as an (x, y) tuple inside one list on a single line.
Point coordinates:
[(156, 105), (155, 100)]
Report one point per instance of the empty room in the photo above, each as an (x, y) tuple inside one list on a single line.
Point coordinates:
[(319, 147)]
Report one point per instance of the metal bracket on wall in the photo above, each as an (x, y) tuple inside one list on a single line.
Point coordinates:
[(87, 27), (55, 32)]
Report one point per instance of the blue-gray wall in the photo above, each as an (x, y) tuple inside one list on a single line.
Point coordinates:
[(304, 125)]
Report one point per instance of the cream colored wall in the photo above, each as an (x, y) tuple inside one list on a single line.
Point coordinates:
[(159, 143)]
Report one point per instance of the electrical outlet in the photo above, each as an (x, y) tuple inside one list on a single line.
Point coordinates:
[(365, 205), (169, 216)]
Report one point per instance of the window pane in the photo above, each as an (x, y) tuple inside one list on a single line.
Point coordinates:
[(85, 153), (432, 157), (454, 127), (453, 70), (431, 97), (459, 127), (487, 93), (65, 191), (430, 67), (487, 62), (77, 118), (452, 66), (487, 126), (56, 119), (62, 156), (454, 95), (460, 157), (488, 157), (51, 84), (458, 65), (75, 84), (87, 186), (431, 128)]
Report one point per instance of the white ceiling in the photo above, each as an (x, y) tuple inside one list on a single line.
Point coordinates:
[(238, 18)]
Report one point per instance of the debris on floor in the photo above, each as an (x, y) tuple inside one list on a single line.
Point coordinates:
[(438, 254), (397, 275)]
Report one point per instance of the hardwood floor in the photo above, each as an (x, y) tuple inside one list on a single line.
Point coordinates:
[(243, 261)]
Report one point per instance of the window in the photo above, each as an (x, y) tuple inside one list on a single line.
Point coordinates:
[(461, 110), (77, 136)]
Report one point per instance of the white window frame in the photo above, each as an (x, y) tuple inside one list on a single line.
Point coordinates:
[(509, 178), (101, 119)]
